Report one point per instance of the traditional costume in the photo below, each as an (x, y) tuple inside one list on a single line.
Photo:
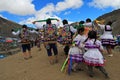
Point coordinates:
[(107, 37), (76, 51), (93, 56)]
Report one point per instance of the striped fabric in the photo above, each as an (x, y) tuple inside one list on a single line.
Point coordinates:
[(111, 42), (93, 61), (92, 47), (89, 46), (77, 57)]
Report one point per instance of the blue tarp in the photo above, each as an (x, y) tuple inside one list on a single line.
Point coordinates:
[(2, 56)]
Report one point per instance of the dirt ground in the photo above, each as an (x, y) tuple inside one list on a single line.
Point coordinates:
[(38, 68)]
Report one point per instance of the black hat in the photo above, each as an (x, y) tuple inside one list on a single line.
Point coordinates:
[(81, 22), (65, 22), (24, 26), (48, 21), (88, 20)]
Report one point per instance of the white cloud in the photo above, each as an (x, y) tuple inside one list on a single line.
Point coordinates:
[(68, 12), (50, 11), (115, 4), (18, 7), (45, 12), (67, 4)]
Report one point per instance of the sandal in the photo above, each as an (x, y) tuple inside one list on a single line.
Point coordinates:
[(26, 58), (91, 75), (73, 70), (80, 69), (30, 57)]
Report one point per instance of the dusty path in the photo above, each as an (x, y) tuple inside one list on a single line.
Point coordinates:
[(38, 68)]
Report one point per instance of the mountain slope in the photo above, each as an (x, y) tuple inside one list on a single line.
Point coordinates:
[(113, 16), (6, 26)]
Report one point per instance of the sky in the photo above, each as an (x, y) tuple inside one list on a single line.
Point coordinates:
[(27, 11)]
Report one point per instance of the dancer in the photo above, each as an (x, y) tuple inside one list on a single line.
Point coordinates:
[(50, 39), (93, 56), (67, 34), (76, 51), (24, 35), (107, 38)]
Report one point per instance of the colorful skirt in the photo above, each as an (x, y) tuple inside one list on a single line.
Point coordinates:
[(93, 58), (77, 58), (109, 42)]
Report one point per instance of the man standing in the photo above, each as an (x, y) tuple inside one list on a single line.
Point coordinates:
[(24, 35), (50, 41)]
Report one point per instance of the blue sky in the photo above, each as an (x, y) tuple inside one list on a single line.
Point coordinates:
[(26, 11)]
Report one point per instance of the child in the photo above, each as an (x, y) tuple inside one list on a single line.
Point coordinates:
[(107, 38), (75, 51), (93, 56)]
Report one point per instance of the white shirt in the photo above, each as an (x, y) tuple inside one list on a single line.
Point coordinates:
[(88, 24), (79, 39)]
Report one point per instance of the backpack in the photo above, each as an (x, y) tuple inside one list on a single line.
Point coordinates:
[(50, 32), (24, 36), (66, 35)]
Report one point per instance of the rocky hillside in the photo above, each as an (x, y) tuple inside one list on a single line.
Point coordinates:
[(6, 26), (113, 16)]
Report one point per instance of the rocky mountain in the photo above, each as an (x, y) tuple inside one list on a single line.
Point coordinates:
[(6, 26), (113, 16)]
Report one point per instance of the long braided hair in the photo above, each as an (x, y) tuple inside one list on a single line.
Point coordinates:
[(92, 35)]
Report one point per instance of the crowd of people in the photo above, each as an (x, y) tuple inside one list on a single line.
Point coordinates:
[(81, 44)]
